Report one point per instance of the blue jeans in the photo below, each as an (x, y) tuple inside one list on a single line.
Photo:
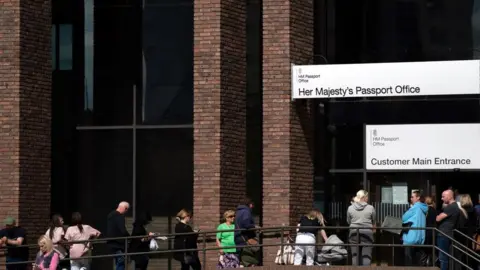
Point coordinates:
[(119, 260), (443, 244)]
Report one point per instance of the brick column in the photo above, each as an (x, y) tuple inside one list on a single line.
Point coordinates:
[(25, 113), (219, 109), (287, 125)]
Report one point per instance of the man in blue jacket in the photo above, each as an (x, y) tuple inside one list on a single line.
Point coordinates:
[(244, 220), (415, 217)]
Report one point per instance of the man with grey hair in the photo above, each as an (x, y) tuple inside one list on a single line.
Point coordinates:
[(447, 221), (116, 228)]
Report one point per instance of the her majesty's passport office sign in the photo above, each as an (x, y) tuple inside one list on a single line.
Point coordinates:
[(386, 79)]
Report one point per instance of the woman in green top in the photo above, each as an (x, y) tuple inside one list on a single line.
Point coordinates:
[(228, 256)]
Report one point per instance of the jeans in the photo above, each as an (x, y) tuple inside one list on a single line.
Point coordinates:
[(443, 244), (195, 265), (308, 251), (119, 260), (15, 266)]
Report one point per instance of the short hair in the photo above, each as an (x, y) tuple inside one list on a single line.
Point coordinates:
[(418, 193), (46, 242), (247, 201), (124, 204), (228, 213), (183, 214)]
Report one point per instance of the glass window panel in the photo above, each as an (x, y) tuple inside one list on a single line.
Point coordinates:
[(164, 178), (65, 47), (116, 66), (391, 31), (88, 54), (167, 91), (105, 177), (54, 47)]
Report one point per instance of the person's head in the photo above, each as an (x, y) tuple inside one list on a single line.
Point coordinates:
[(429, 201), (57, 221), (45, 244), (123, 207), (362, 196), (316, 214), (229, 216), (416, 196), (10, 222), (77, 221), (465, 201), (448, 196), (184, 216), (249, 202), (143, 219)]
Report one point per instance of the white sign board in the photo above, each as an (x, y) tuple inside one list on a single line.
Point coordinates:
[(423, 147), (386, 79)]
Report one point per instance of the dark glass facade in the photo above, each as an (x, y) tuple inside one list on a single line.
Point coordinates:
[(350, 32), (123, 109)]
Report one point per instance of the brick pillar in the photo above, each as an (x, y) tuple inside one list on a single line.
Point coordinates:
[(287, 125), (219, 109), (25, 113)]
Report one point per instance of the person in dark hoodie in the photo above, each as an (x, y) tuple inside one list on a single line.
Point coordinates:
[(361, 214), (244, 221), (138, 245), (116, 228)]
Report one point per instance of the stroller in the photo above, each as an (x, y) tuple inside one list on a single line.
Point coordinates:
[(331, 254)]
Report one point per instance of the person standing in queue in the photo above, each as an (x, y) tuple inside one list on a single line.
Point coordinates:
[(185, 239), (15, 238), (116, 228), (447, 222), (415, 217)]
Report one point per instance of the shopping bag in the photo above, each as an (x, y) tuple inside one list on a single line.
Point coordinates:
[(288, 254), (153, 244)]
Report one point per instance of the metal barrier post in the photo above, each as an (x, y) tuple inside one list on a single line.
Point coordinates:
[(358, 247), (434, 259), (126, 252), (281, 247), (204, 250)]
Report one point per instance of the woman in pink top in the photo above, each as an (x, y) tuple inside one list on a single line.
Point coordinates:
[(47, 259), (80, 232), (56, 233)]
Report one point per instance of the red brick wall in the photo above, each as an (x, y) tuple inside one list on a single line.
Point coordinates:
[(287, 125), (219, 109), (25, 113)]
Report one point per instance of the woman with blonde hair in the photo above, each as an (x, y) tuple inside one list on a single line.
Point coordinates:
[(228, 256), (307, 232), (187, 240), (467, 224), (47, 258), (361, 214)]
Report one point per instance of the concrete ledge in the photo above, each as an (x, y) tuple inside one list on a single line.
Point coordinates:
[(347, 267)]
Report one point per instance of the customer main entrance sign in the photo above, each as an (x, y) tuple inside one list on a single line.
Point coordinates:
[(422, 147), (386, 79)]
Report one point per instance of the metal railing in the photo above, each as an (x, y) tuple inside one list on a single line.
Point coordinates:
[(269, 232)]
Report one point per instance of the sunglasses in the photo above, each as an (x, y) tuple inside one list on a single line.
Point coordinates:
[(231, 216)]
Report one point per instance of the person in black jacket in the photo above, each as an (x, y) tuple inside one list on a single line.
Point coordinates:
[(190, 258), (467, 224), (141, 244), (426, 256), (116, 228)]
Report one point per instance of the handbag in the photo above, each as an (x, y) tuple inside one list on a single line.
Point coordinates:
[(288, 254), (153, 244), (250, 242), (476, 245)]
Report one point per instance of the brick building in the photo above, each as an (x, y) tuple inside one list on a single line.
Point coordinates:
[(186, 103)]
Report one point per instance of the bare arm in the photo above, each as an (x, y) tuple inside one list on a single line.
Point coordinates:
[(324, 235), (441, 217)]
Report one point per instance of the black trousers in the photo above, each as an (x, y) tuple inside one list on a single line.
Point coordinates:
[(415, 256)]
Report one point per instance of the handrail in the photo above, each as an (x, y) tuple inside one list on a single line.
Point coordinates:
[(473, 241), (278, 232), (462, 245)]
